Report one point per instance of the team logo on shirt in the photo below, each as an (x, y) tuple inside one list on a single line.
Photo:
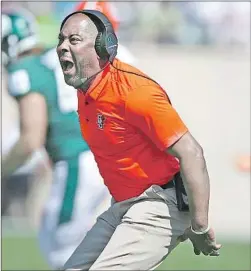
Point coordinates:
[(100, 121)]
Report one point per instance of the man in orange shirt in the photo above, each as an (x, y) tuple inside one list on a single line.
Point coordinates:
[(142, 147)]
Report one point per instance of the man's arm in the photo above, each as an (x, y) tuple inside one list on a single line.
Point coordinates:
[(195, 176), (33, 121), (196, 181)]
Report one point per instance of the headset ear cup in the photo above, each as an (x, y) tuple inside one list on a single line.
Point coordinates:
[(111, 45), (100, 46)]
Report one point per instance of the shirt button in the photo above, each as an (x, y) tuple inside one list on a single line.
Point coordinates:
[(87, 120), (86, 103)]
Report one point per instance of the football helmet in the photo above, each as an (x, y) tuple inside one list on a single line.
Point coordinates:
[(19, 33)]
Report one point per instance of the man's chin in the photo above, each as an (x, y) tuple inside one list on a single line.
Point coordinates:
[(73, 82)]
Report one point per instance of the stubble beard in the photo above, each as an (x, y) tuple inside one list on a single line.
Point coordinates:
[(81, 80)]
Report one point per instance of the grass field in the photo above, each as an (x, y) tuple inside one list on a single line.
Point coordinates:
[(23, 254)]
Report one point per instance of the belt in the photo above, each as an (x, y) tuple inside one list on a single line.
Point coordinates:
[(170, 184)]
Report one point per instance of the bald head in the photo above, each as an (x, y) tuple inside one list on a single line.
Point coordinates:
[(81, 24)]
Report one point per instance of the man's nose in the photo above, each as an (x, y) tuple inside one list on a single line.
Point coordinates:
[(62, 48)]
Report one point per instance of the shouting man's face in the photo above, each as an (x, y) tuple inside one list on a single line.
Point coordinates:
[(76, 52)]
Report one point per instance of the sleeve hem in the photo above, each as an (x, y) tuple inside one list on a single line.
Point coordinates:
[(174, 139)]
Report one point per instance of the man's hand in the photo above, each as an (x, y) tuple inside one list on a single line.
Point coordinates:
[(204, 243)]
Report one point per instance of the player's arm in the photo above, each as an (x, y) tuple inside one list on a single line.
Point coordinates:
[(33, 126)]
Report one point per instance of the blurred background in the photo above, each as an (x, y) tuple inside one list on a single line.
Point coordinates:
[(200, 53)]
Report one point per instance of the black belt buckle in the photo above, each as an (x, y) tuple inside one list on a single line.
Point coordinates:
[(180, 193)]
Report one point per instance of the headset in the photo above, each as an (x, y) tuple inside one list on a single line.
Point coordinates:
[(106, 43)]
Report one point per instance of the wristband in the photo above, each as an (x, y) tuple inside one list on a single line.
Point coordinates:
[(200, 232)]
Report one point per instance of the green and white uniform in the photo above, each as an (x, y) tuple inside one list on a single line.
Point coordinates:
[(77, 194)]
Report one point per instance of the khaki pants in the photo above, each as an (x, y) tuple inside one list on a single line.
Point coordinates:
[(135, 234)]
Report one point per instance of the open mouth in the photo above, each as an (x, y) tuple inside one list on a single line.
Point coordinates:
[(66, 65)]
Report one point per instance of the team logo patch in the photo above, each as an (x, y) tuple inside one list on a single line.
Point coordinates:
[(100, 121)]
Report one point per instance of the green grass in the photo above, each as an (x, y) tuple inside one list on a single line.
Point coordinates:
[(23, 254), (234, 256)]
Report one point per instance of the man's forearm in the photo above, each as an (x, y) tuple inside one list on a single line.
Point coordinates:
[(15, 158), (196, 181)]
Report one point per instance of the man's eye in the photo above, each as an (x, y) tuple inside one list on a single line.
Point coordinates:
[(75, 40)]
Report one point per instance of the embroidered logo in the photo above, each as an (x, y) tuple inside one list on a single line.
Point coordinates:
[(101, 121)]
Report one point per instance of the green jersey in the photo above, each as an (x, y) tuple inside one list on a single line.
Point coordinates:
[(42, 74)]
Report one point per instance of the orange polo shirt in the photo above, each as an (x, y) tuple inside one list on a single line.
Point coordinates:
[(128, 122)]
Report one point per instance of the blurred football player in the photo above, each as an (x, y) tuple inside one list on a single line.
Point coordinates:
[(22, 177), (47, 108)]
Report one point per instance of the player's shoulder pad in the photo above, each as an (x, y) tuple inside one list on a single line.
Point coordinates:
[(19, 82)]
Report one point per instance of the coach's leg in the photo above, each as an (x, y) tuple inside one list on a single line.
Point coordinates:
[(93, 243), (147, 234)]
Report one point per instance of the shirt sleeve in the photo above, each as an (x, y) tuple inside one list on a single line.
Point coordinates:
[(148, 109)]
